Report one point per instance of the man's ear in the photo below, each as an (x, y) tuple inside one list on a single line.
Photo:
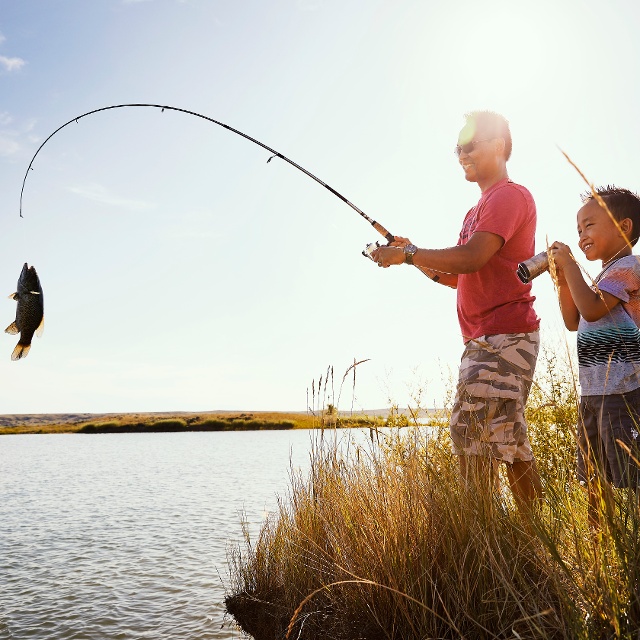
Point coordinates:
[(500, 145)]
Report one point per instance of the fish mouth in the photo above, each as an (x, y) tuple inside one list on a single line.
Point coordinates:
[(29, 282)]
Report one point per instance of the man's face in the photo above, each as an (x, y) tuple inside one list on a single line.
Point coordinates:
[(479, 153)]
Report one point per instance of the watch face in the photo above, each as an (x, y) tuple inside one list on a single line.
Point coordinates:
[(411, 249)]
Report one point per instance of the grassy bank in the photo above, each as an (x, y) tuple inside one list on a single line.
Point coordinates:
[(383, 543), (150, 423)]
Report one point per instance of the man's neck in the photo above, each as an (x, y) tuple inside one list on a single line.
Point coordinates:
[(494, 179)]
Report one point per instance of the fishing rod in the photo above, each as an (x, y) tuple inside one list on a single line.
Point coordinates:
[(389, 237), (275, 154)]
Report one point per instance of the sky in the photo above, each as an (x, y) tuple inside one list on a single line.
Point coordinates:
[(182, 272)]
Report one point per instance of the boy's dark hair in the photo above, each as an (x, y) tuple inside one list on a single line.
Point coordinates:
[(623, 204), (495, 125)]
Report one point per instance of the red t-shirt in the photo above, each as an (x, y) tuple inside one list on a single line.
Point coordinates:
[(494, 300)]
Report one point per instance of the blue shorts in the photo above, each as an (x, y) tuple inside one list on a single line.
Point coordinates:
[(608, 427)]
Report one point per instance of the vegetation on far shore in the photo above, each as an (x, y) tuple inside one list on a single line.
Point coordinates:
[(218, 421), (380, 542)]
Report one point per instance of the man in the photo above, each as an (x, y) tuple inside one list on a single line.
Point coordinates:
[(498, 323)]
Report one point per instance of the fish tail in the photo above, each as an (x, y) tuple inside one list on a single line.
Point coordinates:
[(21, 351)]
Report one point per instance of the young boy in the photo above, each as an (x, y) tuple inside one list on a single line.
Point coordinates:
[(606, 315)]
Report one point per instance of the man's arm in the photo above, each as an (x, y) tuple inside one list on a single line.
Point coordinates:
[(466, 258), (446, 279)]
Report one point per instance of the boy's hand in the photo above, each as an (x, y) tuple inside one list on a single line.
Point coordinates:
[(562, 255), (563, 258)]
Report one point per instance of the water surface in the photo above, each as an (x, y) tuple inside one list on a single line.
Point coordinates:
[(125, 536)]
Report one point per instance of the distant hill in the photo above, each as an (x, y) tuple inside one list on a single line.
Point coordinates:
[(38, 419), (47, 419)]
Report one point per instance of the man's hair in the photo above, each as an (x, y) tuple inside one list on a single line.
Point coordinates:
[(494, 125), (622, 203)]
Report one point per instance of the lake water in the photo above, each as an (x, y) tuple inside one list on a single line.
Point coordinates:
[(125, 536)]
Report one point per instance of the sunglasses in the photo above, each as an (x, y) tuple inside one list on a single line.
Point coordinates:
[(469, 147)]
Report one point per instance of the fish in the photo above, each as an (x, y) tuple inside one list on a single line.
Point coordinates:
[(30, 311)]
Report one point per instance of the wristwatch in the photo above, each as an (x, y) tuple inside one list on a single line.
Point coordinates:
[(409, 252)]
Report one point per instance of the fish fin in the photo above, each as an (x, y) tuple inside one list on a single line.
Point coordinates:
[(21, 351), (40, 329), (12, 329), (13, 296)]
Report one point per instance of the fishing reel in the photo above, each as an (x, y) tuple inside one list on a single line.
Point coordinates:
[(370, 248)]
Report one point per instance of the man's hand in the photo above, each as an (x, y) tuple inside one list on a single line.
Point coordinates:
[(400, 242), (386, 256)]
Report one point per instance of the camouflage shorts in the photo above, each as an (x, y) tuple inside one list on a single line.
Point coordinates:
[(488, 413)]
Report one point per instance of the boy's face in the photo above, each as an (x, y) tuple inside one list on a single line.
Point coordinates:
[(599, 237)]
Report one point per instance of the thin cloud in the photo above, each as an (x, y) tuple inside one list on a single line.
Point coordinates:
[(16, 138), (98, 193), (9, 146), (12, 64)]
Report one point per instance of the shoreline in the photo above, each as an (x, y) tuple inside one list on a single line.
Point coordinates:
[(179, 421), (149, 422)]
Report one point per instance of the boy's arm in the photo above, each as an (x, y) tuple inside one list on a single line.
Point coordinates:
[(591, 305), (570, 313)]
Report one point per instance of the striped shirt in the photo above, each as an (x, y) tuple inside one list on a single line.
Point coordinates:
[(609, 348)]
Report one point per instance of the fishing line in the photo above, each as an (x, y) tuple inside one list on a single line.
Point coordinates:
[(275, 154)]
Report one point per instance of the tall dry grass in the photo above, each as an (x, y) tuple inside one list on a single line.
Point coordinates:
[(380, 542)]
